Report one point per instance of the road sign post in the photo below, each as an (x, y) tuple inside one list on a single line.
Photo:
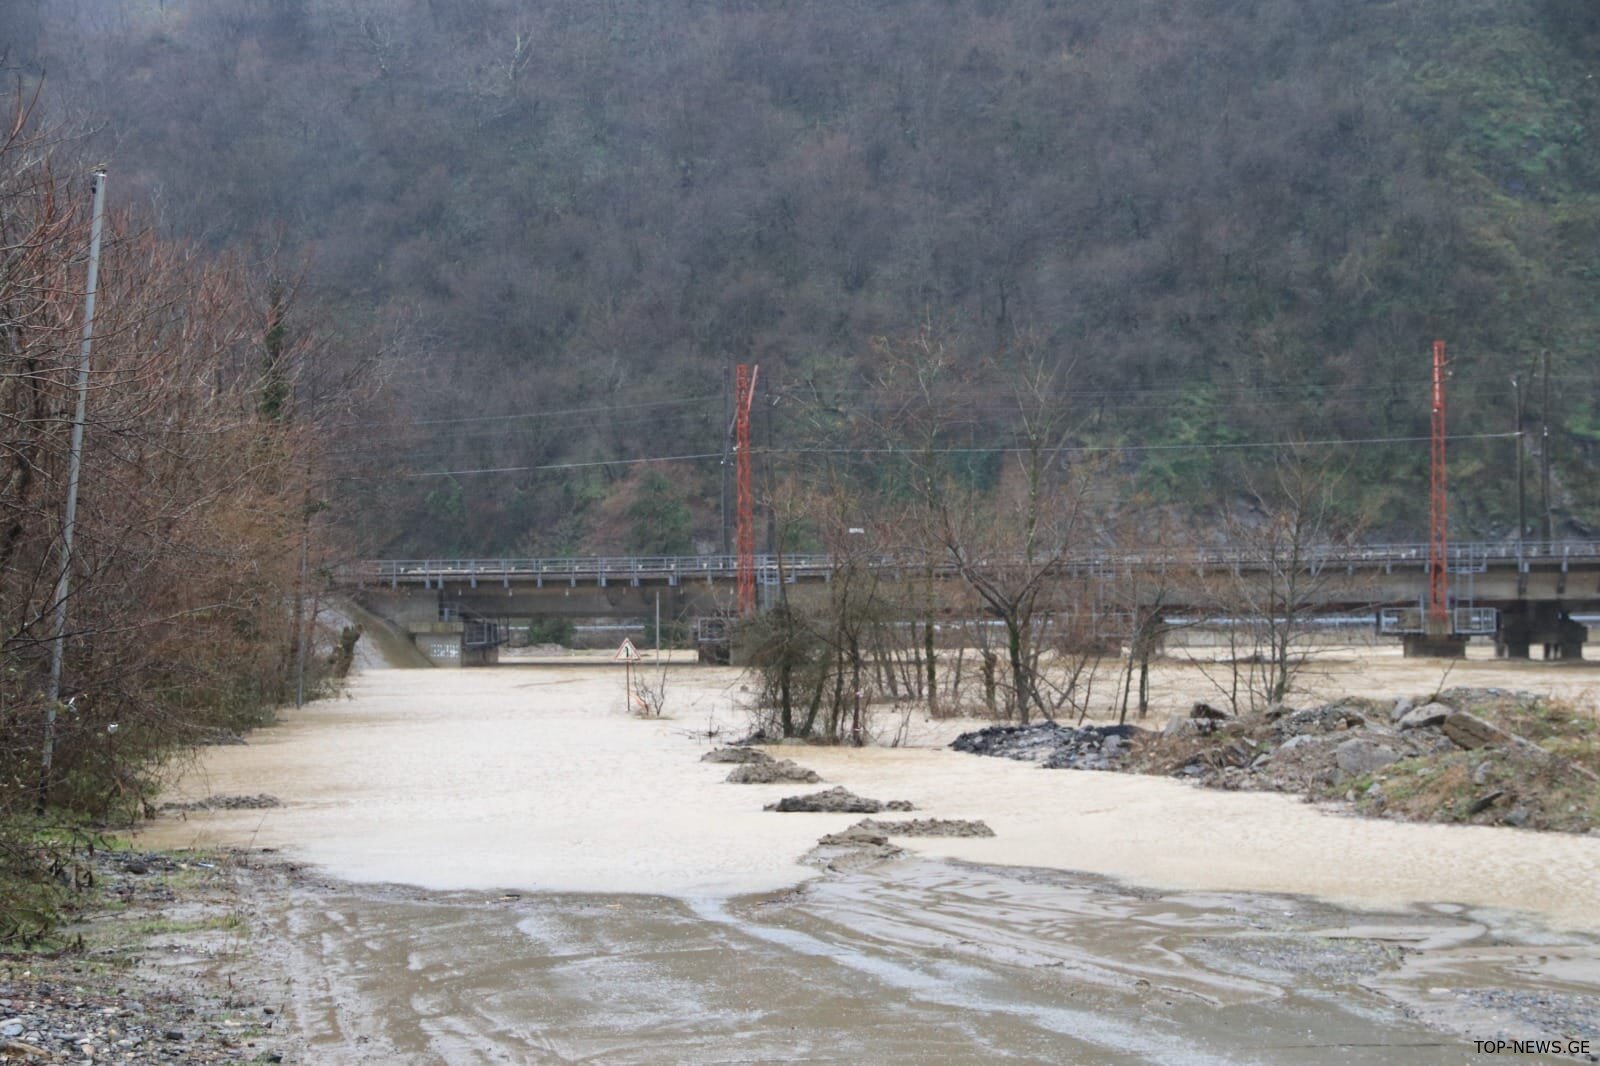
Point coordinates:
[(627, 654)]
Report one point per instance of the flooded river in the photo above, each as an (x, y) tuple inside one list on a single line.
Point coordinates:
[(507, 867)]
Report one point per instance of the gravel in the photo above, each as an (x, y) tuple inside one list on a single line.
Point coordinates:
[(1550, 1014), (58, 1011), (101, 1000)]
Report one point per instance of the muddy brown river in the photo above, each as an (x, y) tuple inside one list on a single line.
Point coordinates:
[(504, 866)]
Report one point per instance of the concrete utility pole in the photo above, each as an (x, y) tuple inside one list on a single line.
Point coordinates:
[(1544, 456), (58, 634), (744, 394), (727, 444), (1439, 621), (1522, 481), (300, 622)]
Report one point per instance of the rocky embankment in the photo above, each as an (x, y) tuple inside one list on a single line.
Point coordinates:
[(1480, 756)]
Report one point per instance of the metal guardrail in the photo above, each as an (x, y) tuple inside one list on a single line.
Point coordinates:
[(1464, 621), (1466, 557)]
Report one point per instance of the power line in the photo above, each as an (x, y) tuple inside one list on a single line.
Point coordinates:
[(446, 448), (1093, 448), (553, 413), (990, 450), (552, 466), (1154, 398), (569, 411)]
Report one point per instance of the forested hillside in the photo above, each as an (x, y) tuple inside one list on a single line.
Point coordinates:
[(1233, 223)]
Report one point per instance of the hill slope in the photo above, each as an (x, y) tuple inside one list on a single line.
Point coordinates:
[(1235, 221)]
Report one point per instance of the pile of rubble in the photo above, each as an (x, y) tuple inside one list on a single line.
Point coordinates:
[(758, 768), (836, 801), (867, 842), (1456, 756), (927, 827), (1444, 759)]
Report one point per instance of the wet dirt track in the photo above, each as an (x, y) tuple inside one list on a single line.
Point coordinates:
[(912, 961)]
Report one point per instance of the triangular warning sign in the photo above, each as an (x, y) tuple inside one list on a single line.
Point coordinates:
[(627, 653)]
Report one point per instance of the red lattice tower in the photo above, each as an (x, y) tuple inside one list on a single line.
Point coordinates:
[(744, 392), (1438, 533)]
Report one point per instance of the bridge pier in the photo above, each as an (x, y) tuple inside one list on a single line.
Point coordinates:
[(1430, 646), (436, 625), (1546, 624), (456, 643)]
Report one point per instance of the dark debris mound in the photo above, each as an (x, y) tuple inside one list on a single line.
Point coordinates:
[(1052, 745), (772, 772), (836, 801), (926, 827), (736, 755), (220, 802)]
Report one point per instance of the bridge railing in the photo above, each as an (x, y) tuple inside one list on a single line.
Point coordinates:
[(581, 568), (684, 567)]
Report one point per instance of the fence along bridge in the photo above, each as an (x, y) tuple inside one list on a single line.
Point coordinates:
[(1523, 594)]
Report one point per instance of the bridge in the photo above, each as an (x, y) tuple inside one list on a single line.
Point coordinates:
[(1524, 594)]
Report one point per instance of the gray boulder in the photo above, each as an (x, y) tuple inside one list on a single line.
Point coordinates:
[(1470, 732), (1428, 716), (1359, 755), (1181, 727)]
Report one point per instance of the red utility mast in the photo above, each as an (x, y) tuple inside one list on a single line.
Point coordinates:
[(744, 392), (1438, 534)]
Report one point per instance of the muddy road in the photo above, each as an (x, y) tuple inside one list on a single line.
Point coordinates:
[(914, 961)]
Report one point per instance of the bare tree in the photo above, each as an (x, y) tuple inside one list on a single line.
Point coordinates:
[(1276, 575), (1011, 542), (192, 534)]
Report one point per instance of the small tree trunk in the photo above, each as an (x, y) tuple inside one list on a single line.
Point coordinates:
[(1019, 670), (817, 692), (990, 662), (785, 697)]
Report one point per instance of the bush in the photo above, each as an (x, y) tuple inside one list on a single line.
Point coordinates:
[(551, 631)]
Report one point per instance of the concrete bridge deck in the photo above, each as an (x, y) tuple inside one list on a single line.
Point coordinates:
[(1533, 587), (1486, 573)]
